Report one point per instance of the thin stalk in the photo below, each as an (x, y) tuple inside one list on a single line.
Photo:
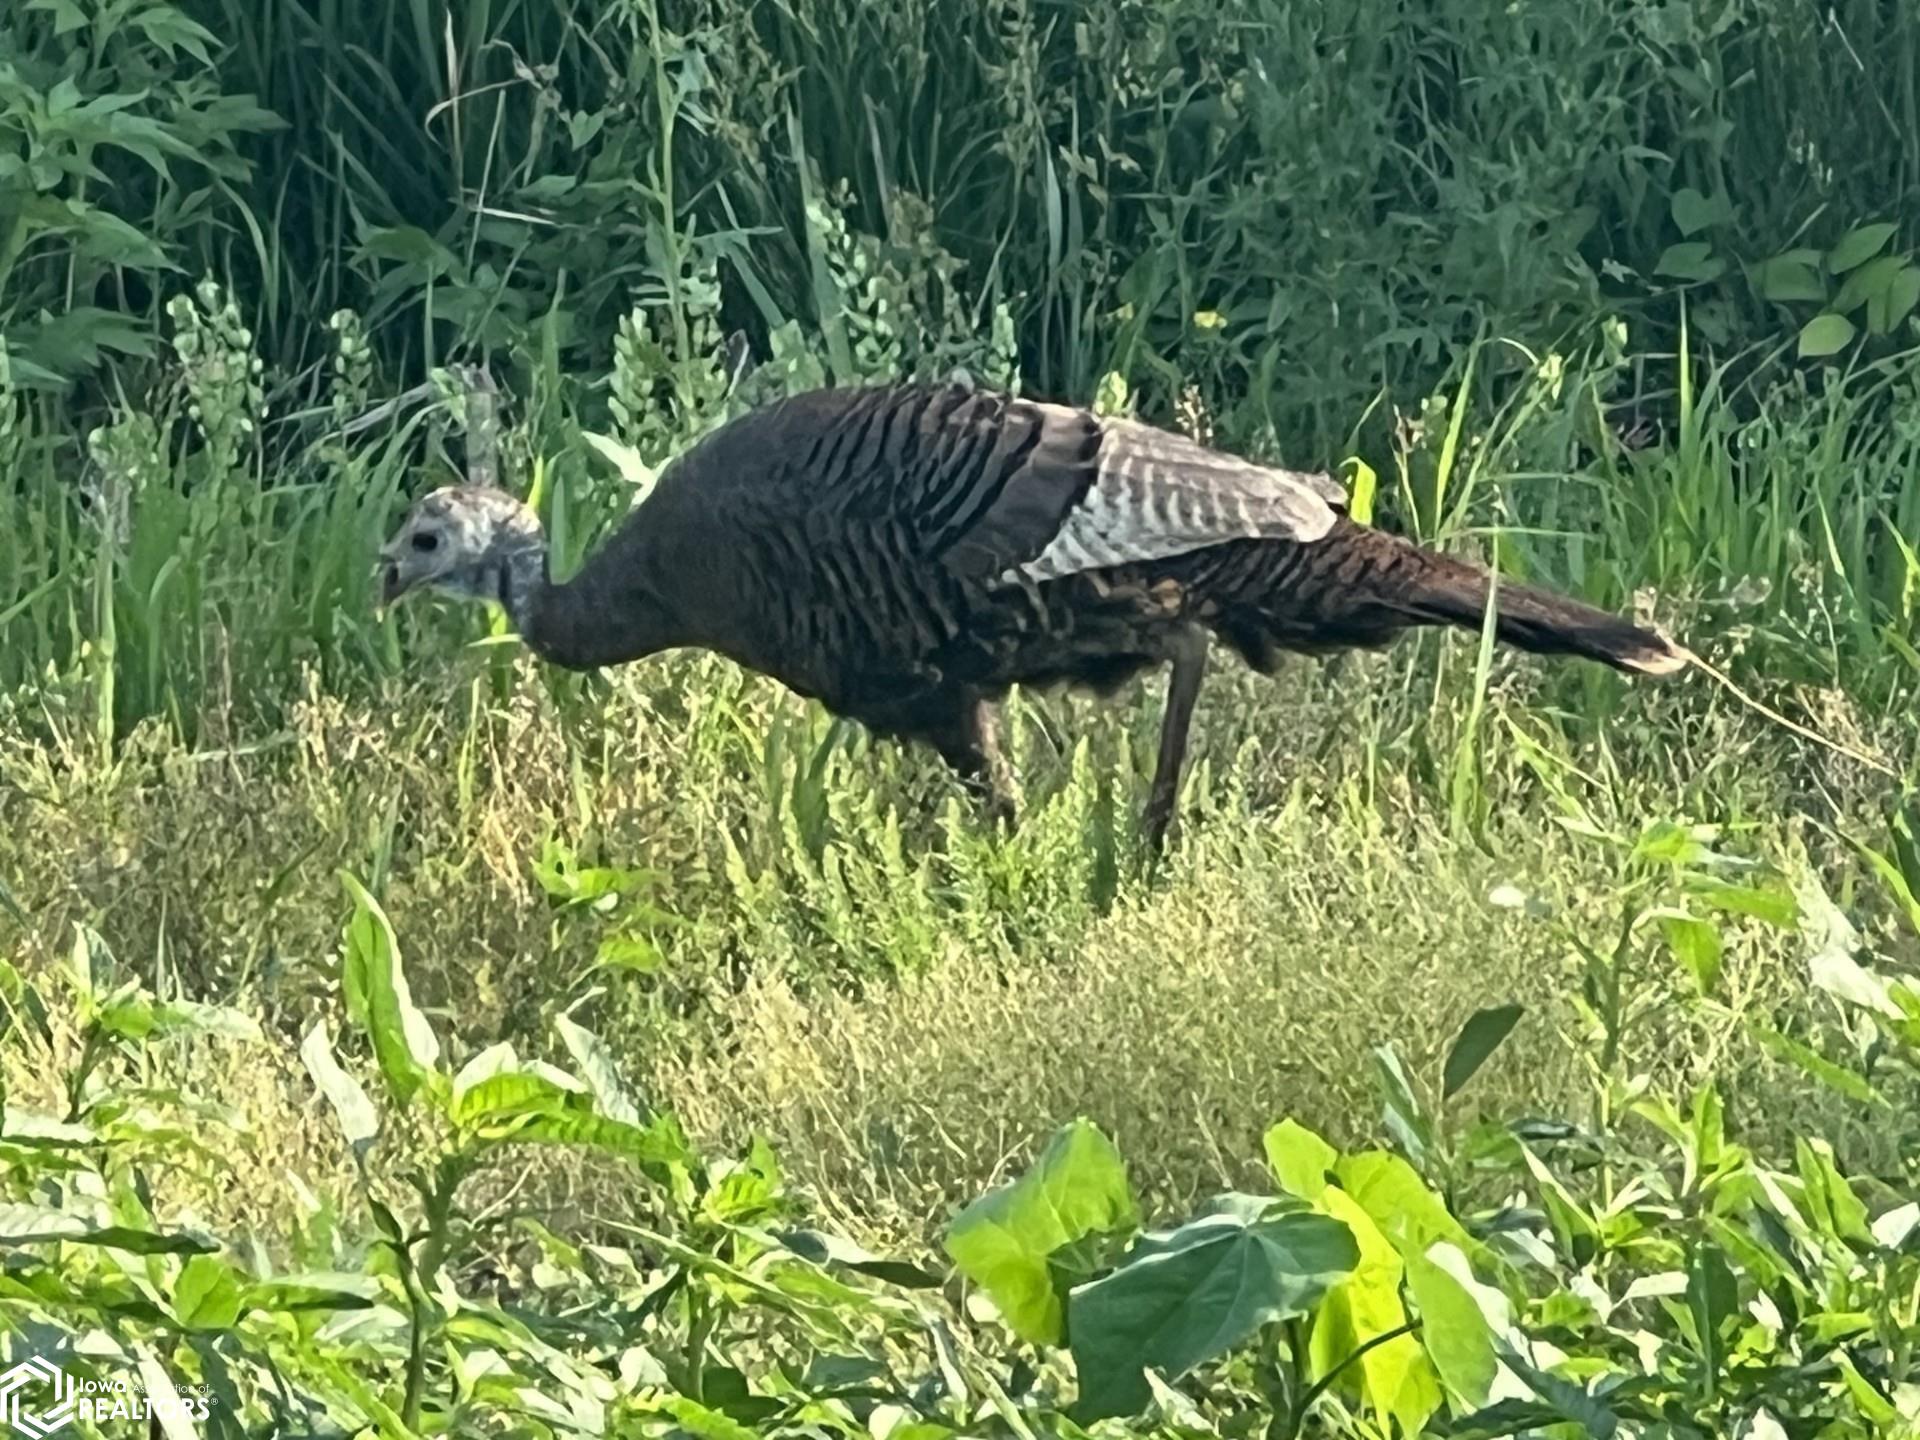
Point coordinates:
[(670, 234), (700, 1322), (105, 640), (1320, 1386), (419, 1275), (417, 1304)]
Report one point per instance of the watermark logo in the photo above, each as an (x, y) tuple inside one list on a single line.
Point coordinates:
[(38, 1399), (43, 1377)]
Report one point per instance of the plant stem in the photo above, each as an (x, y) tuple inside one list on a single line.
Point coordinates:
[(699, 1327), (77, 1082), (669, 107), (1320, 1386), (433, 1248), (417, 1304)]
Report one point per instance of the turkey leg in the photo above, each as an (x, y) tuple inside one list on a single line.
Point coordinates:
[(986, 725), (967, 735), (1183, 691)]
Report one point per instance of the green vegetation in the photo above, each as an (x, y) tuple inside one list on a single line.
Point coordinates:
[(400, 1039)]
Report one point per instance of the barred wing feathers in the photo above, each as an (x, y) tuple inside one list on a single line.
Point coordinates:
[(1155, 495)]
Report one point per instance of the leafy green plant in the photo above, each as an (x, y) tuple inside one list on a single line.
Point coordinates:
[(1856, 287), (117, 144), (388, 1332)]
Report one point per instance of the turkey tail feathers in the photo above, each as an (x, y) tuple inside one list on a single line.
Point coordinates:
[(1548, 624), (1438, 589)]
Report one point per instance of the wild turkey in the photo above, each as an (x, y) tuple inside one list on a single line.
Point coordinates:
[(907, 553)]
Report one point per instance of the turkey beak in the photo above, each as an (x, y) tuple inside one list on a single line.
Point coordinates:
[(393, 578)]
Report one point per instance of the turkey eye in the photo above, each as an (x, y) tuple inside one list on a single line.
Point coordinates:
[(426, 541)]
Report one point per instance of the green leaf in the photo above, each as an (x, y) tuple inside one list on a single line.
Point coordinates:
[(1859, 246), (1406, 1118), (1690, 260), (127, 1013), (191, 1017), (1901, 298), (1875, 1406), (503, 1096), (826, 1249), (67, 14), (1454, 1329), (498, 1058), (87, 962), (1184, 1296), (168, 1416), (1077, 1188), (1573, 1228), (598, 1069), (1395, 1378), (1477, 1040), (1762, 1263), (1776, 907), (624, 459), (655, 1145), (1713, 1297), (410, 246), (22, 1224), (378, 998), (693, 1418), (1665, 843), (1890, 301), (350, 1104), (1871, 281), (207, 1294), (1300, 1160), (1366, 484), (629, 952), (1784, 279), (1825, 334), (166, 27), (1836, 1077), (1825, 1327), (742, 1191), (1898, 872), (134, 1014), (1695, 943), (1397, 1200), (1567, 1400), (1830, 1201), (1694, 212), (7, 902), (313, 1290)]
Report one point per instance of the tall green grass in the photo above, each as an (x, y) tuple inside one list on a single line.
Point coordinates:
[(195, 560)]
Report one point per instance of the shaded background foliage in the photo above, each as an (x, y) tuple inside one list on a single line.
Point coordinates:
[(1357, 187)]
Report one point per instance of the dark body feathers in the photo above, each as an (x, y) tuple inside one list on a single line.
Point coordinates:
[(906, 554)]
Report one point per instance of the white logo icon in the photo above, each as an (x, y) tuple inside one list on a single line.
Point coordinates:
[(65, 1399), (37, 1374)]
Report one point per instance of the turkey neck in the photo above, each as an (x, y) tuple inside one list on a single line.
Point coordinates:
[(606, 615)]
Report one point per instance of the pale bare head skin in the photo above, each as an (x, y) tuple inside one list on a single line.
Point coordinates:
[(460, 540)]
